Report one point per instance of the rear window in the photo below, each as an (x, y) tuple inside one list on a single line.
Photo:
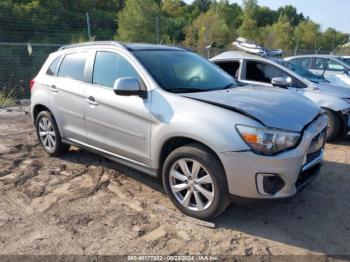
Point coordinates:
[(73, 66), (52, 71)]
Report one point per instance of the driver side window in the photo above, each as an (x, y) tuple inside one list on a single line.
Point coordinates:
[(262, 72), (109, 67)]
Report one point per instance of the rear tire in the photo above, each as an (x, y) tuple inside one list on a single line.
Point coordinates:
[(195, 182), (49, 135), (334, 125)]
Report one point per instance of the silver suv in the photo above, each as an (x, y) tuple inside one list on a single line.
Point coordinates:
[(174, 115)]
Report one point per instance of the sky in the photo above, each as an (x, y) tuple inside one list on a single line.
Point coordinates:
[(327, 13)]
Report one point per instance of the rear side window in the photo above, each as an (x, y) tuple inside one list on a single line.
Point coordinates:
[(109, 67), (52, 71), (302, 61), (335, 66), (73, 66)]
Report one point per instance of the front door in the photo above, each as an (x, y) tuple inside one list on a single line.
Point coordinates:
[(117, 124)]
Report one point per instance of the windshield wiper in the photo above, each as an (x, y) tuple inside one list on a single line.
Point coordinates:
[(186, 90), (228, 86)]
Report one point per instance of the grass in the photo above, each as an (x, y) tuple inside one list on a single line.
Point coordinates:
[(6, 100)]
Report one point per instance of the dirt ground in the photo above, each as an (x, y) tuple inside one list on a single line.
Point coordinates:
[(83, 204)]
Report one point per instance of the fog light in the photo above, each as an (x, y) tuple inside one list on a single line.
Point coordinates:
[(269, 184)]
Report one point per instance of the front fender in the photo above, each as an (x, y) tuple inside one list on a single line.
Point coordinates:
[(331, 102)]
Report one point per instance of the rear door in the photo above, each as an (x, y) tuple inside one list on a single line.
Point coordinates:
[(67, 95), (117, 124)]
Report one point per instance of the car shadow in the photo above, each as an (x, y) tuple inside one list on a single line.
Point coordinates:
[(316, 219), (81, 156)]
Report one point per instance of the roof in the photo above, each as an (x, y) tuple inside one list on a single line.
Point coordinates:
[(236, 55), (143, 47), (314, 55), (128, 46)]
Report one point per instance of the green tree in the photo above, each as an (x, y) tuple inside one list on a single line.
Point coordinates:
[(202, 5), (137, 21), (292, 14), (207, 28), (331, 39), (279, 35), (173, 22), (231, 13), (265, 16), (249, 29), (307, 34)]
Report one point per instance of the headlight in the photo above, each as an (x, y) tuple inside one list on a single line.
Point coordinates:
[(268, 141), (347, 100)]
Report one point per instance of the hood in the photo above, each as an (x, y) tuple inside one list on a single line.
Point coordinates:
[(333, 90), (273, 107)]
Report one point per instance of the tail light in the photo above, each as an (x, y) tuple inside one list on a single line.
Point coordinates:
[(31, 84)]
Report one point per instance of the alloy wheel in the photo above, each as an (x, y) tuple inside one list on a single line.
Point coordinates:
[(191, 184), (47, 133)]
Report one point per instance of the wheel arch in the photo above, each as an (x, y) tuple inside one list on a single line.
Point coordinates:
[(175, 142)]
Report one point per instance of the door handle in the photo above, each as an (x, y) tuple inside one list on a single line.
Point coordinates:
[(53, 88), (91, 100)]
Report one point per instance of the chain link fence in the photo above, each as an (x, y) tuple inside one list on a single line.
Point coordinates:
[(20, 62)]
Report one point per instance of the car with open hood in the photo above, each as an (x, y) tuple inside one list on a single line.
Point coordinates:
[(172, 114), (275, 73)]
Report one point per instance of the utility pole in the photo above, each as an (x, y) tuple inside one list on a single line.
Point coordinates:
[(316, 44), (157, 29), (88, 25)]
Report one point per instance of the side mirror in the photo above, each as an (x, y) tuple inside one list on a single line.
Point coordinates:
[(129, 86), (282, 82)]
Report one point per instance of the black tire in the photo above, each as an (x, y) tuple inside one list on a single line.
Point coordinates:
[(58, 148), (212, 165), (334, 125)]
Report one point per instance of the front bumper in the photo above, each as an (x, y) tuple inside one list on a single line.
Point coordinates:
[(294, 169)]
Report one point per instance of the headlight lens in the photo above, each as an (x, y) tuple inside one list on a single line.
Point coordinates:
[(268, 141)]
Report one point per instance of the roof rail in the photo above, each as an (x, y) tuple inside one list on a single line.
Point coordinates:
[(95, 43)]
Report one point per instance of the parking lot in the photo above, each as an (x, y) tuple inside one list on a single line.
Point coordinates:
[(83, 204)]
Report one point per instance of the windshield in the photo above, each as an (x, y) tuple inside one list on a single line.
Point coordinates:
[(183, 71), (346, 60), (303, 72)]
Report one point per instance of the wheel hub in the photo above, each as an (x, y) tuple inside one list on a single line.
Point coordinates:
[(191, 184)]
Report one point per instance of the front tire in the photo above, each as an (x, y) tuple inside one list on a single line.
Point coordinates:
[(195, 182), (49, 135), (334, 125)]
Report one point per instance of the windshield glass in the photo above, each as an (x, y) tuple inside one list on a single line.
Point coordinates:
[(183, 71), (346, 60), (303, 72)]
